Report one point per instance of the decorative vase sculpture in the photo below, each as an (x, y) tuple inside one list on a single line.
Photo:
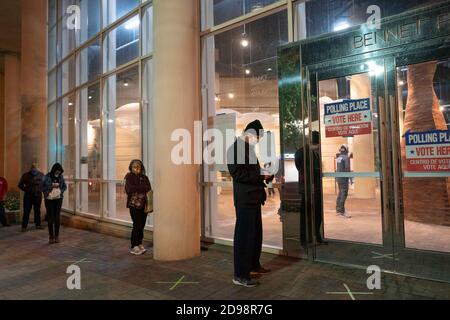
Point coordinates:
[(425, 200)]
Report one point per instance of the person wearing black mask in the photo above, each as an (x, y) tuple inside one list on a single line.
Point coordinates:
[(249, 195), (53, 187), (30, 183)]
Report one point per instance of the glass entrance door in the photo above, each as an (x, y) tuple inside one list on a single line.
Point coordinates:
[(350, 221), (422, 225)]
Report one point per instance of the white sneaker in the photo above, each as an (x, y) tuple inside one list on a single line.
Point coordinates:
[(136, 251), (142, 248), (346, 215)]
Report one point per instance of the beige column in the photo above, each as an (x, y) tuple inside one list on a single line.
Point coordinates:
[(363, 146), (34, 83), (12, 120), (176, 105)]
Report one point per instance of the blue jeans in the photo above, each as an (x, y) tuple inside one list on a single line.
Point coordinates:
[(342, 196)]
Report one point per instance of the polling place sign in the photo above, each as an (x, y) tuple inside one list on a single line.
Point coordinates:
[(348, 118), (428, 151)]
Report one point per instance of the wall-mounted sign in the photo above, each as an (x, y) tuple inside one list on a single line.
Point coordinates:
[(428, 151), (348, 118)]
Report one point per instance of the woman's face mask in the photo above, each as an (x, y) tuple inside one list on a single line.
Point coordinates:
[(252, 140), (57, 174), (136, 168)]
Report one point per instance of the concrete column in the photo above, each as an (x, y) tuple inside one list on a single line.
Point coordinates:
[(176, 105), (363, 146), (34, 83), (12, 120)]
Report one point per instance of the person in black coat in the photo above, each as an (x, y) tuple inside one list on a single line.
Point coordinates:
[(30, 183), (53, 186), (249, 195)]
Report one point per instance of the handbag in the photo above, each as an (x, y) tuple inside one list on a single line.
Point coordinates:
[(55, 194), (149, 204), (137, 201)]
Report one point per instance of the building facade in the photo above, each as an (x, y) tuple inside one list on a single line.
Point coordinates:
[(125, 75)]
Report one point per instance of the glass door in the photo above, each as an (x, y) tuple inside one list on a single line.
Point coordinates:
[(422, 224), (347, 159)]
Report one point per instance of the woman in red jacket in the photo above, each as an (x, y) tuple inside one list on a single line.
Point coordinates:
[(137, 185)]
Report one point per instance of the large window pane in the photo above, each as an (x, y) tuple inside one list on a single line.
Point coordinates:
[(424, 118), (52, 48), (90, 19), (122, 131), (121, 44), (215, 12), (147, 31), (240, 72), (115, 9), (68, 75), (52, 86), (51, 128), (67, 39), (68, 146), (90, 63)]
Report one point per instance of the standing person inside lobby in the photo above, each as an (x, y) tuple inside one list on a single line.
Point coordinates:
[(137, 186), (3, 191), (249, 195), (53, 187), (30, 183), (342, 166)]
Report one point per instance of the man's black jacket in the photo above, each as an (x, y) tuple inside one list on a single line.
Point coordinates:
[(248, 183)]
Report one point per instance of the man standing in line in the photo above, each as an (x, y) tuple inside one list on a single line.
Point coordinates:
[(249, 196), (342, 165), (3, 191), (30, 183)]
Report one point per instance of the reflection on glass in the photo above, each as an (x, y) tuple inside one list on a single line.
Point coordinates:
[(147, 31), (121, 44), (90, 63), (215, 12), (52, 48), (51, 136), (68, 146), (68, 75), (350, 162), (115, 9), (90, 19), (242, 77), (123, 126), (424, 104)]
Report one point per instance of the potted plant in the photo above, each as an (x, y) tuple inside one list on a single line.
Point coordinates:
[(12, 206)]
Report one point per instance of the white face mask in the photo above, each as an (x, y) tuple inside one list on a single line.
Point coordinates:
[(252, 140)]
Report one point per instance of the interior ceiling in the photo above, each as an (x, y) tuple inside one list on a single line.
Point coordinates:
[(10, 25)]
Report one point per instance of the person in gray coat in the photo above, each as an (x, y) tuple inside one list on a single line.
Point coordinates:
[(342, 166)]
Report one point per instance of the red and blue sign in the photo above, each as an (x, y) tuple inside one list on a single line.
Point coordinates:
[(428, 151), (348, 118)]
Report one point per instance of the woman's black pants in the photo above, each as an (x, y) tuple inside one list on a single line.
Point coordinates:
[(54, 216), (139, 218)]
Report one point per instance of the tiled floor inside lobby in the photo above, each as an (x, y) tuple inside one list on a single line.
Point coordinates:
[(32, 269)]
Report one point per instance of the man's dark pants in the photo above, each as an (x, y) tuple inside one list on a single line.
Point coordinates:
[(2, 214), (343, 194), (248, 237), (31, 202)]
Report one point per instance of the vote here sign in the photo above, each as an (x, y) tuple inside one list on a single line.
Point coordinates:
[(428, 151), (348, 118)]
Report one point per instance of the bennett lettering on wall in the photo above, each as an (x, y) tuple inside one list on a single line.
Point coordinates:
[(348, 118), (428, 151)]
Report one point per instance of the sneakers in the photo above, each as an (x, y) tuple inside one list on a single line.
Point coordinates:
[(51, 240), (136, 251), (344, 215), (142, 248), (249, 283)]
